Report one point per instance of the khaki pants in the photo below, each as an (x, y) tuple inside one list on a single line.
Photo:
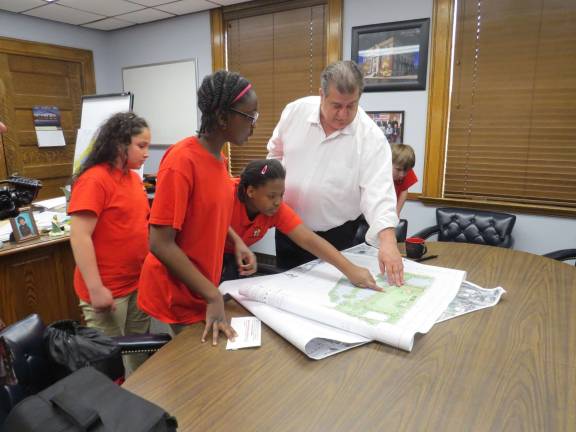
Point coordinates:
[(127, 319)]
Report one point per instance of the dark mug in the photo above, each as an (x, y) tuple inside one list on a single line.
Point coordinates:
[(415, 247)]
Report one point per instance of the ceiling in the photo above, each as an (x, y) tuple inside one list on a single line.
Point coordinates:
[(109, 14)]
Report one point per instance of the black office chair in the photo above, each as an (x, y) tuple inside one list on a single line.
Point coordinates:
[(35, 370), (401, 230), (562, 255), (471, 226)]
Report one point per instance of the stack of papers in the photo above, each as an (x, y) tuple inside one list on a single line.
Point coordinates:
[(319, 311), (51, 204), (5, 230)]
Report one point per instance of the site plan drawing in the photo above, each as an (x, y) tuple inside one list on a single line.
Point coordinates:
[(375, 307), (317, 296)]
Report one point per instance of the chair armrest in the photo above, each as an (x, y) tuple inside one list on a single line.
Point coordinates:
[(142, 343), (562, 254), (427, 232), (401, 230)]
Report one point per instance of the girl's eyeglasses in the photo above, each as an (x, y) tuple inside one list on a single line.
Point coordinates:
[(253, 118)]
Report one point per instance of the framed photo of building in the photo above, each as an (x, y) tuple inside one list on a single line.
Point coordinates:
[(391, 123), (24, 226), (392, 56)]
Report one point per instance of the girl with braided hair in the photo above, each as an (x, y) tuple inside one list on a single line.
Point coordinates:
[(109, 229), (191, 213), (258, 206)]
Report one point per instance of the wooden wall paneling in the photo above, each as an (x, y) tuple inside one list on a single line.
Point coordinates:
[(334, 31), (438, 97), (10, 146), (218, 37), (4, 117)]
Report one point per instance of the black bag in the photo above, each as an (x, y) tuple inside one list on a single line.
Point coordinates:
[(87, 401), (74, 346)]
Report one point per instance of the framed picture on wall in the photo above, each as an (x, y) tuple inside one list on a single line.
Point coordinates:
[(391, 123), (24, 226), (392, 56)]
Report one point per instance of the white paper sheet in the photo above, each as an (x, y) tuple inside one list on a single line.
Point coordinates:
[(314, 339), (248, 330), (50, 138), (471, 298)]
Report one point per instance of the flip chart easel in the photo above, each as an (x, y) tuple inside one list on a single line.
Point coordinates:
[(96, 110)]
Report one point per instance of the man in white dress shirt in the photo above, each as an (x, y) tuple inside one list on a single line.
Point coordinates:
[(339, 166)]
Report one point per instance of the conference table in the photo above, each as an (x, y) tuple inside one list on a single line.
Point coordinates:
[(511, 367)]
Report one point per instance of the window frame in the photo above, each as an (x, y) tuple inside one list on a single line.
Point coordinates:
[(333, 34), (437, 124)]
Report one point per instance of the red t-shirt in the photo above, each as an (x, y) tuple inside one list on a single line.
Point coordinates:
[(194, 195), (285, 219), (405, 184), (121, 234)]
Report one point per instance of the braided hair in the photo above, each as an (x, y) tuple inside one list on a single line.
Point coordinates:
[(216, 95), (257, 173), (113, 140)]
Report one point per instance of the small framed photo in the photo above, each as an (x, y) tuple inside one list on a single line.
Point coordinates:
[(24, 227), (391, 123), (392, 56)]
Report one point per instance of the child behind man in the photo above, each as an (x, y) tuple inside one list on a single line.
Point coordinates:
[(403, 161)]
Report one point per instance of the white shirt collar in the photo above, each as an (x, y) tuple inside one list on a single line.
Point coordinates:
[(314, 118)]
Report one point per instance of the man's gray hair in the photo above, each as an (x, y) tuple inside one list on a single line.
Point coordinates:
[(345, 75)]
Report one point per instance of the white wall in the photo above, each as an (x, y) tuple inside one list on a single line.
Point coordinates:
[(413, 103), (34, 29), (174, 39)]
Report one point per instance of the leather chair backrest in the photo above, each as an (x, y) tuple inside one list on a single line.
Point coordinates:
[(32, 366), (475, 226), (401, 231)]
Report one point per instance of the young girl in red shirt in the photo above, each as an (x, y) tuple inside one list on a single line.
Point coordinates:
[(258, 206), (191, 213), (109, 229)]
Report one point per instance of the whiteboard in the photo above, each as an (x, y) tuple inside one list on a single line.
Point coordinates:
[(165, 95), (95, 111)]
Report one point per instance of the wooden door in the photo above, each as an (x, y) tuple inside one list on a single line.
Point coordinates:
[(33, 74), (3, 173)]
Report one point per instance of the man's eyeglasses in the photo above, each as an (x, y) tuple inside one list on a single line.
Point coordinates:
[(253, 118)]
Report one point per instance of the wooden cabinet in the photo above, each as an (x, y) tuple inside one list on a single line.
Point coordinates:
[(37, 277)]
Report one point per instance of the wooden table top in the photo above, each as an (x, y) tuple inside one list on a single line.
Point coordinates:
[(11, 248), (510, 367)]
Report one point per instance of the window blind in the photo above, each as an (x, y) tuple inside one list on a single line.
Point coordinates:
[(282, 53), (512, 126)]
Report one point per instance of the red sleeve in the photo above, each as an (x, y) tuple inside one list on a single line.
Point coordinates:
[(88, 194), (286, 219), (408, 181), (171, 199)]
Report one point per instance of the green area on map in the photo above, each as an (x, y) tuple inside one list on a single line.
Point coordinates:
[(375, 307)]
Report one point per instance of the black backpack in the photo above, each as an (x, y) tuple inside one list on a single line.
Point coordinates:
[(73, 346), (87, 401)]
